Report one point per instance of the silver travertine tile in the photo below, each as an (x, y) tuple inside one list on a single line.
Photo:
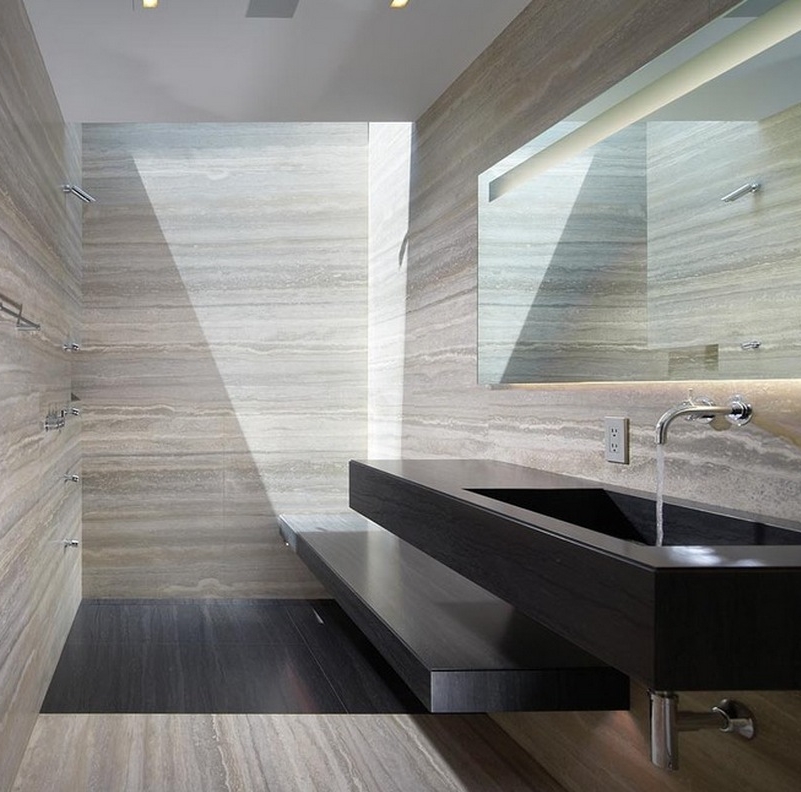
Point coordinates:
[(556, 427), (547, 63), (562, 280), (40, 267), (499, 103), (691, 165), (224, 291), (285, 753)]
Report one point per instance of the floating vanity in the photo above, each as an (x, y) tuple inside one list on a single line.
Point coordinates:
[(458, 647), (717, 607)]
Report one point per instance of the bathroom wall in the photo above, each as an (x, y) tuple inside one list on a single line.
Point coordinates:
[(563, 275), (40, 267), (554, 57), (760, 300), (223, 371)]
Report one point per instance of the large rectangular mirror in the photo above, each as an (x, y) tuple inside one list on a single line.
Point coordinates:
[(655, 234)]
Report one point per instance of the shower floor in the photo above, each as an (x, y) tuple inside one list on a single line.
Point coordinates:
[(211, 656)]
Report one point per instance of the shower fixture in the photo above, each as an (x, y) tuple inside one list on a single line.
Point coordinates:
[(751, 187), (54, 420), (74, 189)]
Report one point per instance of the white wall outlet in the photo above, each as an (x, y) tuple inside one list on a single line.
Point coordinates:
[(616, 440)]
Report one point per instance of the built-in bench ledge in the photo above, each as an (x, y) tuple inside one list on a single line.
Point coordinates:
[(458, 647)]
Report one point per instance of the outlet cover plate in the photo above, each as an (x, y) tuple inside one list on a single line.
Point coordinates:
[(616, 440)]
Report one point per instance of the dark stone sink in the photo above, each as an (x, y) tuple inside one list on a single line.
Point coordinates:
[(633, 518), (717, 607)]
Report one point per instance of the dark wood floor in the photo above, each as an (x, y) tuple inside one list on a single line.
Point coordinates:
[(236, 656)]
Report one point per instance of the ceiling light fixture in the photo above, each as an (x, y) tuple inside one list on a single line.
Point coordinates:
[(272, 9), (150, 3), (398, 3)]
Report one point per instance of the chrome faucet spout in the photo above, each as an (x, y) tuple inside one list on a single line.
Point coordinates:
[(693, 412), (738, 411)]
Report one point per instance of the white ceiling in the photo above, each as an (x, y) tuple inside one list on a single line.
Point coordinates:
[(204, 60)]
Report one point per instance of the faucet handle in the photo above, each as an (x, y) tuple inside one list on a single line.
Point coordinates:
[(741, 411), (699, 401)]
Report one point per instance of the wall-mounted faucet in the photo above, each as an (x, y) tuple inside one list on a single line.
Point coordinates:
[(728, 716), (738, 411)]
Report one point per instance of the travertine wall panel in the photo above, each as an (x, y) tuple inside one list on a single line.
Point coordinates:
[(562, 281), (224, 374), (723, 273), (390, 152), (40, 266), (548, 62)]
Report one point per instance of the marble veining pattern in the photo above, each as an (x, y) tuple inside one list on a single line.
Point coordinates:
[(40, 267), (240, 753), (562, 269), (695, 241), (224, 374), (551, 60), (390, 151)]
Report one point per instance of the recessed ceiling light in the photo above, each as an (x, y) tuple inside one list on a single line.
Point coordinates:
[(275, 9), (398, 3), (150, 3)]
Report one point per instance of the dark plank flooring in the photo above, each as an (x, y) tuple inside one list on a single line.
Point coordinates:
[(236, 656)]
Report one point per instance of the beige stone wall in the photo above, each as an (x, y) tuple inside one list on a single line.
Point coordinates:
[(224, 364), (552, 59), (40, 267), (741, 280)]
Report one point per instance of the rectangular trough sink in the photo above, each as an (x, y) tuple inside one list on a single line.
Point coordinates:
[(633, 518), (716, 607)]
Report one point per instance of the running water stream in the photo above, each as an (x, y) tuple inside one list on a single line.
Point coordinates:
[(660, 494)]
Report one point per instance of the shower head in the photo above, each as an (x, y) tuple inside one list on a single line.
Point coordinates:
[(73, 189)]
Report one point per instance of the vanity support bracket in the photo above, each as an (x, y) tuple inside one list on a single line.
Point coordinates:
[(728, 715)]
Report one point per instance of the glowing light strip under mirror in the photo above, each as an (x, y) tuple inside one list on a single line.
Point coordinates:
[(764, 32)]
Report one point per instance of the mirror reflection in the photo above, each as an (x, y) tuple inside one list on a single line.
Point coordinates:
[(656, 234)]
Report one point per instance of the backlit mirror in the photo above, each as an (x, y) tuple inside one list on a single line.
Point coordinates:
[(655, 234)]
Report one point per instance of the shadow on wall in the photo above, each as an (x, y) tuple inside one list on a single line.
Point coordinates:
[(588, 316), (174, 501)]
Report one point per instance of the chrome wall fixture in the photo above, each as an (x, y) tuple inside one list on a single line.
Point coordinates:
[(728, 716), (78, 192), (751, 187), (55, 420), (13, 308), (71, 346), (738, 412)]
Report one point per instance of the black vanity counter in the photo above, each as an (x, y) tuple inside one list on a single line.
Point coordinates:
[(457, 647), (688, 617)]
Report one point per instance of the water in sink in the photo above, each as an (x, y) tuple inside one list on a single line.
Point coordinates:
[(634, 519)]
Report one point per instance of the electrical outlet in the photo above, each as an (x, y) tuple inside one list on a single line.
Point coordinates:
[(616, 440)]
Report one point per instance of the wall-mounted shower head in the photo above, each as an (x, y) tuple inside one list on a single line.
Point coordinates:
[(74, 189), (750, 187)]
